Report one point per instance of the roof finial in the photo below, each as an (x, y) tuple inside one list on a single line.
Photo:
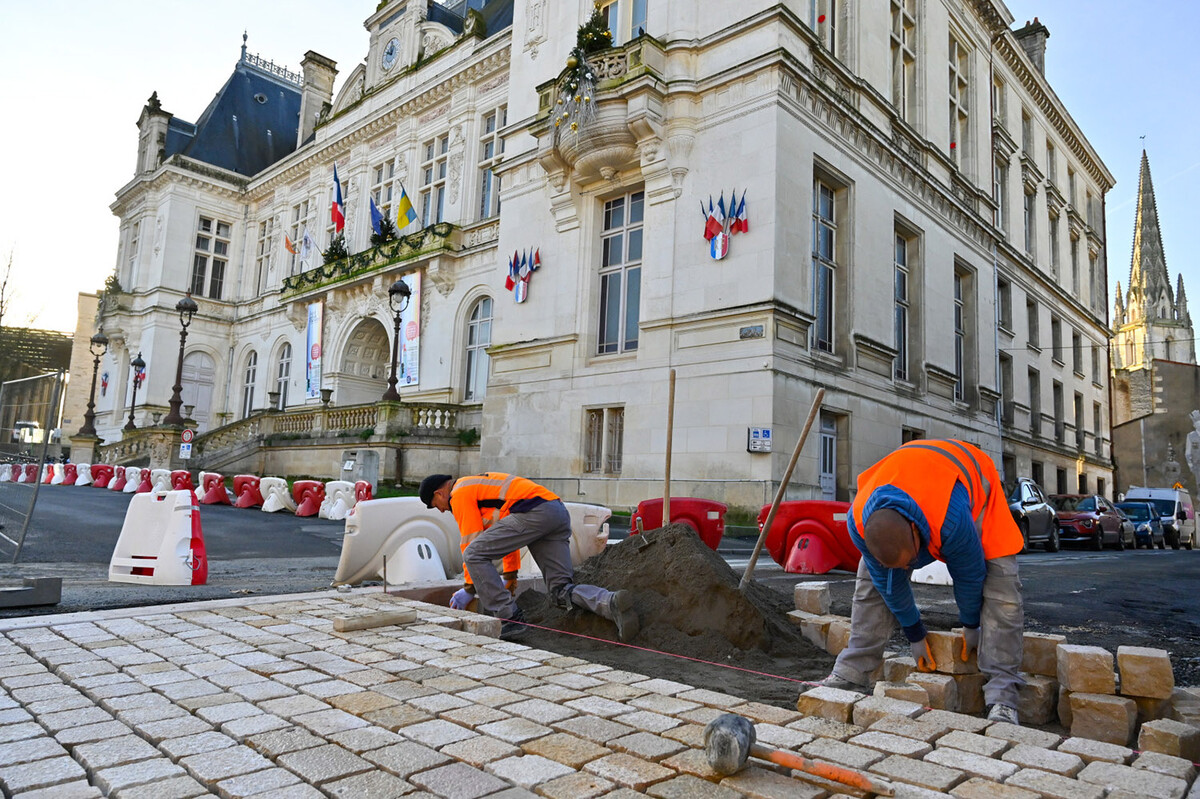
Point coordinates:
[(244, 37)]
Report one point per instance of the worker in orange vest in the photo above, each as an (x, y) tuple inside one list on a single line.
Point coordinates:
[(497, 515), (943, 500)]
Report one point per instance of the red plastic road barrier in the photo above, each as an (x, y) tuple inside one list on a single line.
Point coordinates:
[(362, 491), (31, 473), (308, 494), (71, 472), (705, 516), (49, 474), (147, 483), (102, 473), (199, 551), (17, 470), (245, 488), (810, 537), (214, 490), (118, 481), (181, 480)]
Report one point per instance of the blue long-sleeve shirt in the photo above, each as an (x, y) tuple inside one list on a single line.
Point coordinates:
[(961, 550)]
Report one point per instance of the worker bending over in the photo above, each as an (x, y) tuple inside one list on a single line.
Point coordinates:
[(936, 499), (497, 514)]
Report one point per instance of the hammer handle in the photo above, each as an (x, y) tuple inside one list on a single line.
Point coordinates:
[(846, 776)]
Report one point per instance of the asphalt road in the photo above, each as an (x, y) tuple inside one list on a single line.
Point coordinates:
[(1109, 599)]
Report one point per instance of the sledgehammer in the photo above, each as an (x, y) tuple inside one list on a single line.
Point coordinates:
[(729, 740)]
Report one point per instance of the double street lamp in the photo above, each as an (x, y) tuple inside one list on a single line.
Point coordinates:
[(138, 365), (398, 296), (98, 346), (187, 308)]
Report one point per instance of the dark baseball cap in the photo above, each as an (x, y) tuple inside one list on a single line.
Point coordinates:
[(430, 484)]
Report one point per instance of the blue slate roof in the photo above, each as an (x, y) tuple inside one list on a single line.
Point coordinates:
[(248, 126)]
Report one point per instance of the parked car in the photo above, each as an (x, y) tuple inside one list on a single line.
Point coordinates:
[(1147, 524), (1175, 508), (1035, 517), (1091, 519)]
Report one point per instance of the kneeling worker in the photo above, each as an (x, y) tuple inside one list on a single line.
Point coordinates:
[(936, 499), (497, 514)]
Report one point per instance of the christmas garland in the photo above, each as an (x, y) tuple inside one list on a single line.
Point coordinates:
[(579, 83)]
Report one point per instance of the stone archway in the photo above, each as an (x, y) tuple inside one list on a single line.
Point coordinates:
[(365, 364)]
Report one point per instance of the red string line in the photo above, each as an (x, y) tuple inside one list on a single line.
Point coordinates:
[(665, 654)]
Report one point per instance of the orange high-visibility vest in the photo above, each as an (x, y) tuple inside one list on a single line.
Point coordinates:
[(472, 518), (927, 470)]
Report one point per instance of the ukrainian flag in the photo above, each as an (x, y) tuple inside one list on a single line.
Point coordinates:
[(405, 213)]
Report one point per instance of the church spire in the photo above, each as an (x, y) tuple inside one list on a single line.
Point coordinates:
[(1149, 282), (1181, 309), (1119, 308)]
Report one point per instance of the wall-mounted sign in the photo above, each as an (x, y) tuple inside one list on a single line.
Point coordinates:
[(758, 439)]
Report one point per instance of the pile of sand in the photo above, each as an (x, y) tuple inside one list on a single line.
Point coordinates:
[(688, 601)]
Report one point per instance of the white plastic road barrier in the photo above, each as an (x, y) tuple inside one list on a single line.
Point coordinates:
[(83, 472), (133, 479), (380, 528), (275, 495), (160, 480), (589, 536), (156, 545), (60, 474), (420, 544), (935, 573), (47, 473), (339, 499), (5, 473)]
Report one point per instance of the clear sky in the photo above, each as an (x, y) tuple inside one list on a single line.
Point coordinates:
[(74, 77)]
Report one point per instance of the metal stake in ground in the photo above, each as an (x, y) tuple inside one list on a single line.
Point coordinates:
[(787, 476), (666, 509)]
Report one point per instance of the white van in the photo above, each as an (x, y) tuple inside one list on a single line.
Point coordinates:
[(1175, 506)]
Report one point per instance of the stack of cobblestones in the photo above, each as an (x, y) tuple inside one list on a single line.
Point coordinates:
[(265, 697), (1067, 684)]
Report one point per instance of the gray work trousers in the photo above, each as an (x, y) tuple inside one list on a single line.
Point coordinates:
[(546, 530), (1001, 634)]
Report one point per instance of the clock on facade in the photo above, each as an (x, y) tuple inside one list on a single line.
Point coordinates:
[(390, 52)]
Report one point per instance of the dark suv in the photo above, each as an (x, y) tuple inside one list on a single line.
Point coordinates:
[(1035, 517)]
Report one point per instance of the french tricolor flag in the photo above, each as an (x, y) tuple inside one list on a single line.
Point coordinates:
[(338, 209)]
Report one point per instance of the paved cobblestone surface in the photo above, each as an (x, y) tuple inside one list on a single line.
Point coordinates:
[(238, 698)]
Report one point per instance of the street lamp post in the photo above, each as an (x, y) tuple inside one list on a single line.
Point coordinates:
[(98, 346), (187, 308), (398, 297), (138, 365)]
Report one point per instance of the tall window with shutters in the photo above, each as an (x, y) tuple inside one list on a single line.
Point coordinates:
[(904, 58), (491, 147), (283, 375), (824, 265), (434, 160), (262, 256), (959, 73), (249, 377), (604, 440)]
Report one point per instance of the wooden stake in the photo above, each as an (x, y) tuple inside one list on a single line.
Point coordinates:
[(783, 484), (666, 511)]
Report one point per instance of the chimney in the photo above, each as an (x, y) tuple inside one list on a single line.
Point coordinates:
[(317, 94), (1033, 39), (152, 135)]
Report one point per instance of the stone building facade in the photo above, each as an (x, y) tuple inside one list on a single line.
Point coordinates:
[(925, 242)]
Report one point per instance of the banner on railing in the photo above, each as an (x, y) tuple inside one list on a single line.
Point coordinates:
[(312, 372), (410, 334)]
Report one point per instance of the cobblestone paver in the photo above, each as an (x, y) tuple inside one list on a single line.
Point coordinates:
[(262, 697)]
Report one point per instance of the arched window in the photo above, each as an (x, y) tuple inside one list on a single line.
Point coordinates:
[(248, 384), (479, 338), (283, 375)]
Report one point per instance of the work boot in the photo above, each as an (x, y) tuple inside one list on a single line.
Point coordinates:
[(1003, 713), (514, 629), (842, 684), (624, 613)]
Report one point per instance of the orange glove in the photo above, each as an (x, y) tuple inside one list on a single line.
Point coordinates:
[(510, 581), (923, 655)]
